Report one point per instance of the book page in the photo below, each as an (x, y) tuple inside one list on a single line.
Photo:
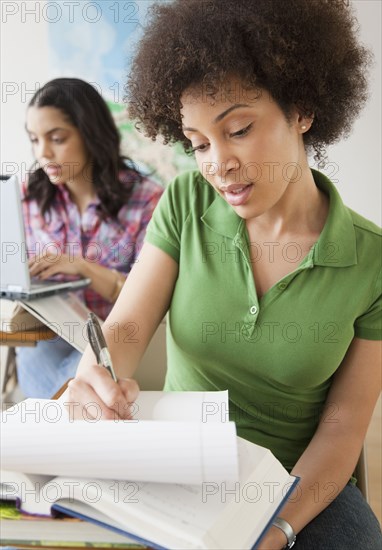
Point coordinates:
[(211, 515), (181, 451), (192, 406), (63, 313), (263, 488), (182, 406), (13, 485)]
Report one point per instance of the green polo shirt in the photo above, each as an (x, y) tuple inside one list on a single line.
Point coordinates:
[(276, 355)]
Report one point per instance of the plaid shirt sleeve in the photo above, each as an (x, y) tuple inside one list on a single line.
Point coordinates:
[(147, 212)]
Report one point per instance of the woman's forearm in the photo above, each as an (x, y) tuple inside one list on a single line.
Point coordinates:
[(324, 469), (106, 282)]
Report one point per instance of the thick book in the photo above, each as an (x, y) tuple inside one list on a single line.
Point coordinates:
[(202, 487)]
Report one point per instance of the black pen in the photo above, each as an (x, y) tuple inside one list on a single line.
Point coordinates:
[(98, 344)]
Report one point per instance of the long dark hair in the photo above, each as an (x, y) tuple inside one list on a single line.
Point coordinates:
[(88, 112)]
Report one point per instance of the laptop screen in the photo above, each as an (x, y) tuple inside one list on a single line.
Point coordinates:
[(14, 262)]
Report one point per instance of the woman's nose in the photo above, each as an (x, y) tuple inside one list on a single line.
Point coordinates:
[(222, 163), (43, 150)]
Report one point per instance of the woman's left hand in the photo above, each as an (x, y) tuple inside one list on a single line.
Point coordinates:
[(273, 539)]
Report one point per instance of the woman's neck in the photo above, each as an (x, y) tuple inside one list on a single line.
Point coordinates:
[(82, 192), (302, 210)]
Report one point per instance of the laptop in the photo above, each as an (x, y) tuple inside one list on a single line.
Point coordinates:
[(15, 280)]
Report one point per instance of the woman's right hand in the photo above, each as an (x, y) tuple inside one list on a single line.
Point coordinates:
[(93, 395), (48, 265)]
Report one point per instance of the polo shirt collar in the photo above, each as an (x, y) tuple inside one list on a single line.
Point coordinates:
[(336, 246), (222, 218)]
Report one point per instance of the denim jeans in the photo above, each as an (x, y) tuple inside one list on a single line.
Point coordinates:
[(348, 523), (43, 369)]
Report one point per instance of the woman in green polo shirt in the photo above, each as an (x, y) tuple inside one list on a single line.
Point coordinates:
[(272, 285)]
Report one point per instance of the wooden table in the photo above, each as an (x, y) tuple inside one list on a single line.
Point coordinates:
[(27, 337)]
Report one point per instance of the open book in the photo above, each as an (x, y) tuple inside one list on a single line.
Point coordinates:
[(165, 483), (65, 314), (15, 318)]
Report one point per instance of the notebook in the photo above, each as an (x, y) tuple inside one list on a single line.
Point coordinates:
[(15, 279)]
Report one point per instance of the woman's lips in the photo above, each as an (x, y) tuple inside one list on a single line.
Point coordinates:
[(53, 170), (236, 195)]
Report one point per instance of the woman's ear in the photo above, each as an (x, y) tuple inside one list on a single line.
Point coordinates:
[(304, 122)]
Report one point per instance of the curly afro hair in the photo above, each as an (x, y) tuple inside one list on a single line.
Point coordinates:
[(305, 53)]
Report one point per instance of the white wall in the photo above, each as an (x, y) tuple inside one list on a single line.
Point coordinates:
[(355, 164), (357, 160), (24, 66)]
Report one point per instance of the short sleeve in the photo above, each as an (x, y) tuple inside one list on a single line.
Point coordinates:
[(369, 325), (165, 228), (152, 198)]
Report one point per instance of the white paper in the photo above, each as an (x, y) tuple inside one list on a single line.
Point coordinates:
[(192, 449)]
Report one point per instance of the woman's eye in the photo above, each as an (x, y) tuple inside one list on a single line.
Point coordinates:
[(242, 132), (57, 140), (199, 148), (33, 140)]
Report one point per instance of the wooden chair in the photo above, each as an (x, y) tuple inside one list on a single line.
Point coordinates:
[(11, 340)]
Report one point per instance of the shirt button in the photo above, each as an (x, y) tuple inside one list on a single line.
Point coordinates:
[(282, 286), (253, 310)]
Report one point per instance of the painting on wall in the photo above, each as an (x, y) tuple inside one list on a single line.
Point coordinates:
[(95, 41)]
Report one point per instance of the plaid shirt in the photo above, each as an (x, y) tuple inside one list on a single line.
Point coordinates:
[(112, 243)]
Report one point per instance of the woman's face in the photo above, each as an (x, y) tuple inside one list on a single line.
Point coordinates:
[(244, 146), (57, 145)]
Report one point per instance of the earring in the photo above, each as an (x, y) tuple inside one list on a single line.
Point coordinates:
[(303, 127)]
